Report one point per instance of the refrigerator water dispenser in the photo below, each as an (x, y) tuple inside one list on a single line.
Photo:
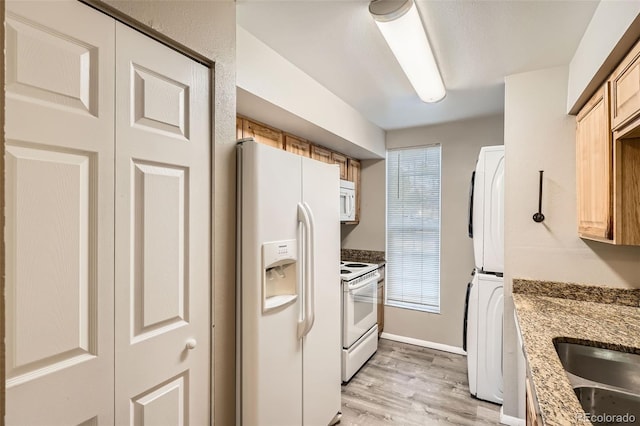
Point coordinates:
[(279, 274)]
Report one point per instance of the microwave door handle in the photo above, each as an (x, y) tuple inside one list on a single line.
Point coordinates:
[(352, 204), (347, 204)]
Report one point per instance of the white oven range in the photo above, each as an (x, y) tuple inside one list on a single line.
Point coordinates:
[(359, 315)]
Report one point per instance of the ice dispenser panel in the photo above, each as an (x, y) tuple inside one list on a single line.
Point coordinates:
[(279, 274)]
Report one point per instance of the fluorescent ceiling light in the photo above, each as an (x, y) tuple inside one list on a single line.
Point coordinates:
[(400, 24)]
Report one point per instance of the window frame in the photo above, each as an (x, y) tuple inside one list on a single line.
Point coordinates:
[(414, 305)]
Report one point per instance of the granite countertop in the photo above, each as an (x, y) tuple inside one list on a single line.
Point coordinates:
[(597, 316), (365, 256)]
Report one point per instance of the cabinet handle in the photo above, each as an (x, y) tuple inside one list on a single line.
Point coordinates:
[(191, 344)]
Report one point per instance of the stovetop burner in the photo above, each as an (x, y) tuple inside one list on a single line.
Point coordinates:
[(350, 270)]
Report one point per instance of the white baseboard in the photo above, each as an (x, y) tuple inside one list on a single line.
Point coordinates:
[(424, 343), (510, 420)]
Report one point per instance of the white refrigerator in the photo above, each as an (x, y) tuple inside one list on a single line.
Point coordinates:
[(288, 289), (483, 335)]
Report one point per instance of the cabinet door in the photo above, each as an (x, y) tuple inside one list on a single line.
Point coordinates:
[(625, 89), (297, 146), (341, 160), (321, 154), (354, 176), (626, 185), (239, 123), (594, 168), (531, 412), (262, 134)]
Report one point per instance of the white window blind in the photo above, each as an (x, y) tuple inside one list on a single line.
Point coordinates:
[(413, 228)]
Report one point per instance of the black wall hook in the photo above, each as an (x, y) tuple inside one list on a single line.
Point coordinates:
[(539, 217)]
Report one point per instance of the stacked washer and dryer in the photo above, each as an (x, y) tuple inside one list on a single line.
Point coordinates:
[(482, 334)]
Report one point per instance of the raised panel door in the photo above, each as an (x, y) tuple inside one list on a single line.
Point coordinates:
[(625, 89), (59, 214), (594, 168), (626, 183), (321, 154), (239, 122), (354, 176), (162, 234), (341, 160), (297, 146), (262, 134)]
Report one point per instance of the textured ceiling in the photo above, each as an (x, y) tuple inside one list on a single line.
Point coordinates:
[(476, 43)]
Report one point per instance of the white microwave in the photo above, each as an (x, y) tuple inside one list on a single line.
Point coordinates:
[(347, 201)]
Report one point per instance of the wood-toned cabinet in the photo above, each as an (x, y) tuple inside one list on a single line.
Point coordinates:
[(321, 154), (608, 158), (262, 133), (626, 185), (354, 176), (341, 160), (297, 146), (625, 89), (239, 128), (531, 411), (594, 163)]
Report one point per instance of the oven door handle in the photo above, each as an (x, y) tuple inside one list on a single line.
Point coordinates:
[(364, 283)]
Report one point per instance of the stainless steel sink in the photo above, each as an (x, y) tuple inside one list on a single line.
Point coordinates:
[(604, 366), (606, 382), (608, 407)]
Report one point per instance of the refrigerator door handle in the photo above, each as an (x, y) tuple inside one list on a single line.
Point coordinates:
[(301, 269), (303, 216), (311, 270)]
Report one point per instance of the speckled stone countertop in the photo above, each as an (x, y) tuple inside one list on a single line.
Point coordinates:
[(548, 312), (366, 256)]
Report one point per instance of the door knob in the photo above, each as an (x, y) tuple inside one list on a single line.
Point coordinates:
[(191, 343)]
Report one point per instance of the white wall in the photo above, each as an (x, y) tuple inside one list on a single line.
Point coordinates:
[(264, 73), (461, 142), (539, 135), (592, 63), (369, 234), (208, 28)]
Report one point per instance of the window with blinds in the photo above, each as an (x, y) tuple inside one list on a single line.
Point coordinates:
[(413, 228)]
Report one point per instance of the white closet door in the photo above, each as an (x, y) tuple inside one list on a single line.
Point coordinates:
[(162, 234), (59, 210)]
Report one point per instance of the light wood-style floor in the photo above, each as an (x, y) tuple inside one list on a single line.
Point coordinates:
[(410, 385)]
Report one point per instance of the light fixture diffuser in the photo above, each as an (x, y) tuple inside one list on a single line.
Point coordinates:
[(400, 24)]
